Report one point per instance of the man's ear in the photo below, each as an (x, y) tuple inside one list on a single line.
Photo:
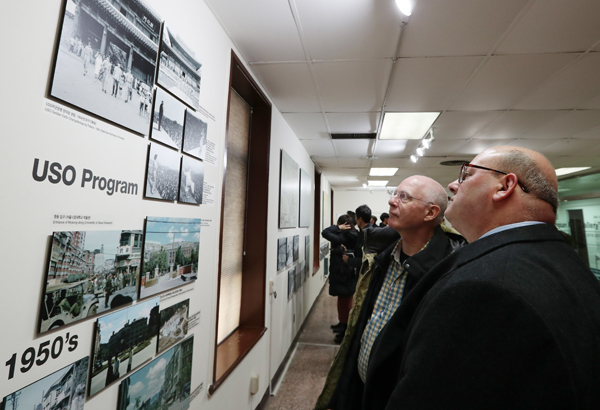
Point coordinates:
[(506, 187), (432, 212)]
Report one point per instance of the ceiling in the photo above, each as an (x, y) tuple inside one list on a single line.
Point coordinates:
[(501, 72)]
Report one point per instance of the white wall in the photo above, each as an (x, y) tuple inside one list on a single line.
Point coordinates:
[(28, 206), (344, 201)]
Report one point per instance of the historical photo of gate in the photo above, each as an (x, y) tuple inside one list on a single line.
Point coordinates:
[(63, 389), (167, 120), (179, 69), (289, 192), (123, 341), (89, 272), (194, 135), (171, 247), (173, 325), (191, 181), (162, 174), (106, 59), (164, 383)]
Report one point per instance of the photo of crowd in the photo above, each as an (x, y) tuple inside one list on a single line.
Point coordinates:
[(167, 120), (194, 138), (123, 341), (107, 68), (192, 181), (162, 174), (173, 325)]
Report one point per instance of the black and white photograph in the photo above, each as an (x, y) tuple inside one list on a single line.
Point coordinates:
[(191, 181), (164, 383), (89, 272), (63, 389), (106, 59), (303, 271), (179, 69), (296, 247), (305, 198), (171, 247), (291, 280), (290, 251), (289, 192), (173, 325), (168, 116), (323, 251), (307, 255), (194, 135), (281, 253), (162, 174), (297, 278), (123, 341)]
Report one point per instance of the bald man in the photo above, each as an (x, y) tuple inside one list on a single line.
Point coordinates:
[(417, 209), (511, 321)]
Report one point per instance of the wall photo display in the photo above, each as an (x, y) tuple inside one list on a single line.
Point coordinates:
[(168, 116), (305, 194), (296, 250), (290, 251), (179, 68), (191, 183), (307, 255), (103, 65), (281, 253), (164, 383), (194, 135), (162, 173), (89, 272), (289, 192), (173, 325), (63, 389), (123, 341), (291, 280), (171, 247)]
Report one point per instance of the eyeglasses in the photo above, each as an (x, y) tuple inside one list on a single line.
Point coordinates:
[(404, 197), (464, 174)]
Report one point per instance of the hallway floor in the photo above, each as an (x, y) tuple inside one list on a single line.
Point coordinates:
[(305, 376)]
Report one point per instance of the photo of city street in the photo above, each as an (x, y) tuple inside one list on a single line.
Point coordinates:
[(162, 175), (173, 325), (163, 384), (106, 60), (171, 247), (63, 389), (167, 120), (179, 70), (89, 272), (123, 341), (194, 136), (192, 181)]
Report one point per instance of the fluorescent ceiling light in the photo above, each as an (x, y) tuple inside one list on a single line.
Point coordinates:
[(383, 172), (565, 171), (406, 125), (405, 6), (377, 183)]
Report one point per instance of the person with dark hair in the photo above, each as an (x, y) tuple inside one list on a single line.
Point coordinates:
[(342, 276), (384, 219), (373, 220), (417, 209)]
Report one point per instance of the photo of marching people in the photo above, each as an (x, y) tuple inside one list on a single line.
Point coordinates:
[(179, 70), (167, 120), (63, 389), (89, 272), (173, 325), (163, 384), (191, 182), (194, 136), (162, 174), (106, 59), (171, 247), (123, 341)]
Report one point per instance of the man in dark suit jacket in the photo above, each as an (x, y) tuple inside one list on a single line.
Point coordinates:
[(511, 321)]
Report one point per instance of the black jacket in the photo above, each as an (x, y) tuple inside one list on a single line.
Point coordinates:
[(349, 392), (342, 276), (511, 321)]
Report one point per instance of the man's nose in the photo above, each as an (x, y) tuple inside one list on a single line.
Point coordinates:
[(453, 186)]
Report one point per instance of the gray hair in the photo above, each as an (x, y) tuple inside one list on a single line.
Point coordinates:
[(530, 176)]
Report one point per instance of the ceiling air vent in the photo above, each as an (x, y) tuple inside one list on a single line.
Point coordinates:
[(367, 136)]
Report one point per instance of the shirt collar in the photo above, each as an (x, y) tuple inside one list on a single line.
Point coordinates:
[(510, 226)]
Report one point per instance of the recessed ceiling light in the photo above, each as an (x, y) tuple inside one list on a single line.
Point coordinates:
[(565, 171), (405, 6), (383, 172), (406, 125), (377, 183)]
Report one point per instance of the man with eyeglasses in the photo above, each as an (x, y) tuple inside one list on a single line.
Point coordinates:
[(511, 321), (416, 212)]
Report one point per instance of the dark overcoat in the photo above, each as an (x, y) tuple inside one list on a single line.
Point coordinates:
[(342, 276)]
